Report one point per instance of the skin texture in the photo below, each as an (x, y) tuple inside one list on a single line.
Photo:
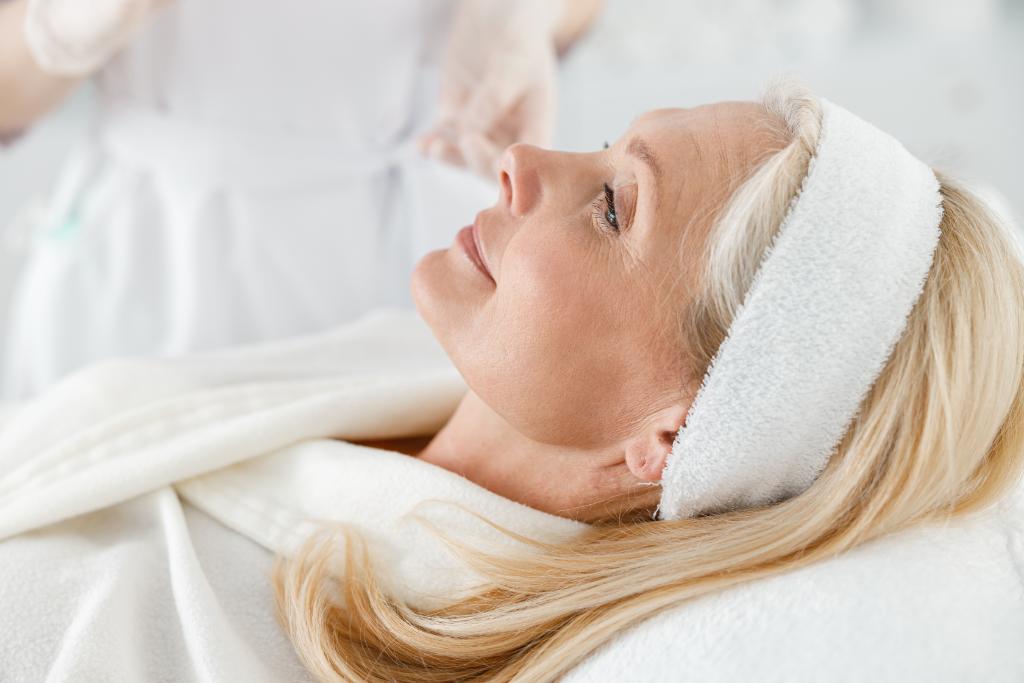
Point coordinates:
[(573, 352)]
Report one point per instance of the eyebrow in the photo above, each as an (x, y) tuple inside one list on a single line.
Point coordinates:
[(638, 148)]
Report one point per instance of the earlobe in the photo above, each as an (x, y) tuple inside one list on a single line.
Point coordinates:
[(647, 452), (646, 458)]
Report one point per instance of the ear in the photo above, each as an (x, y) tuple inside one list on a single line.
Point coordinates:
[(648, 451)]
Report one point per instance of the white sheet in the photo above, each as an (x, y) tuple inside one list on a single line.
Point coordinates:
[(131, 585), (148, 590)]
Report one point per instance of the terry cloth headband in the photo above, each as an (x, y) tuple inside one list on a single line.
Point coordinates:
[(826, 307)]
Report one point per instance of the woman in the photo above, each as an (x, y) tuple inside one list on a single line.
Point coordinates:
[(235, 147), (584, 311)]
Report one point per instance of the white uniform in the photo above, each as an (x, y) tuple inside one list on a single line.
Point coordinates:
[(251, 175)]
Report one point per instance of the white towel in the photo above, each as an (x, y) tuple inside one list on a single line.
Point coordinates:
[(108, 577)]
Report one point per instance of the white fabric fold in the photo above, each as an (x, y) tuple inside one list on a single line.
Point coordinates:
[(245, 437), (127, 427), (114, 578)]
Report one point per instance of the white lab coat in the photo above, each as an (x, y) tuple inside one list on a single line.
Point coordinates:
[(251, 174)]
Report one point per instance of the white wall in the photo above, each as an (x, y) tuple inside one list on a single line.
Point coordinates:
[(948, 83)]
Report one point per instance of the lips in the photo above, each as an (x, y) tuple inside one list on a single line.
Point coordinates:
[(469, 239)]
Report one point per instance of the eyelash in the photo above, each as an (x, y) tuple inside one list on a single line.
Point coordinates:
[(604, 206)]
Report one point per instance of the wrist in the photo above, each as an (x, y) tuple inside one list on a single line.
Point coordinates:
[(536, 17)]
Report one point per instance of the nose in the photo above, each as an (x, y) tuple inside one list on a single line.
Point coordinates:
[(519, 170)]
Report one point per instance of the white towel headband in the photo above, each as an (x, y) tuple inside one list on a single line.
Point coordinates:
[(825, 309)]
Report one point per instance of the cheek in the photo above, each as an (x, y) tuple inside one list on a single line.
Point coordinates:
[(558, 348), (548, 357)]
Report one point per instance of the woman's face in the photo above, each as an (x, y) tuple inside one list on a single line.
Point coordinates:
[(574, 337)]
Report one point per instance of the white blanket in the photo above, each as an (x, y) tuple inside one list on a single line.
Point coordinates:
[(109, 575)]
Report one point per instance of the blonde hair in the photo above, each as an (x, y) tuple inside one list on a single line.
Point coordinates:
[(941, 433)]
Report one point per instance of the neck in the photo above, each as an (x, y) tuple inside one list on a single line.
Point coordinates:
[(480, 445)]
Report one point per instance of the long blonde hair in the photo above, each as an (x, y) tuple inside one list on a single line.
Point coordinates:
[(941, 433)]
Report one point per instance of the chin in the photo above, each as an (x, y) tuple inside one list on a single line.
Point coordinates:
[(424, 285), (447, 300), (438, 291)]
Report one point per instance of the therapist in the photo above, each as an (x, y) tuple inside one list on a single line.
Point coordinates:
[(257, 170)]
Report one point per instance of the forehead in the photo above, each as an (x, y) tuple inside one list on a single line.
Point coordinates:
[(728, 132)]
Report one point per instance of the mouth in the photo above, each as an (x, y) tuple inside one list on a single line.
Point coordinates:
[(469, 240)]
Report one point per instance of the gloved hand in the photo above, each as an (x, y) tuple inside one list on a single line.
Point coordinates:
[(498, 74), (76, 37)]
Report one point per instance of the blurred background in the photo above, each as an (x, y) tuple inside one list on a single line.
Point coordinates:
[(943, 76)]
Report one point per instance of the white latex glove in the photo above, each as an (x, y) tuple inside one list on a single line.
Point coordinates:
[(76, 37), (498, 79)]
